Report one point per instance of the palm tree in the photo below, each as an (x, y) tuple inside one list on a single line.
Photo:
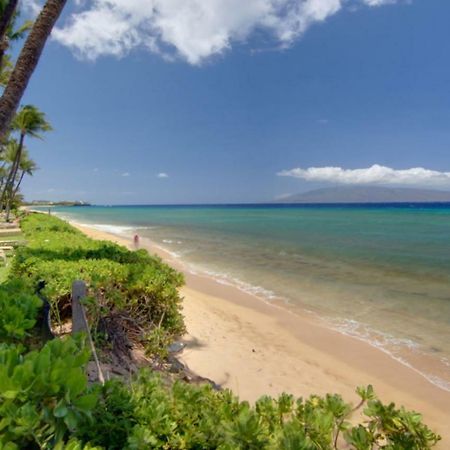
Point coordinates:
[(29, 121), (7, 158), (5, 70), (27, 62), (7, 12), (12, 33), (27, 167)]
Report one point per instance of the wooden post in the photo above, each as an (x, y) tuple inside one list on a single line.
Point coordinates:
[(80, 323)]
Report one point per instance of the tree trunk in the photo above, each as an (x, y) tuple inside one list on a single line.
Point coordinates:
[(6, 197), (5, 20), (7, 16), (27, 62), (16, 189)]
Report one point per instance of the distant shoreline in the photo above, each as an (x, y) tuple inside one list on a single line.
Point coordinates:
[(257, 205), (255, 348)]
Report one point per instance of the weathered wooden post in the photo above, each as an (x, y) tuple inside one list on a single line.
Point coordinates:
[(80, 323)]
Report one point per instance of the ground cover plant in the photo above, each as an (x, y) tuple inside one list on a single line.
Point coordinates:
[(46, 401)]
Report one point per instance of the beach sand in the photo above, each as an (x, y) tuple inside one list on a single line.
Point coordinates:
[(255, 348)]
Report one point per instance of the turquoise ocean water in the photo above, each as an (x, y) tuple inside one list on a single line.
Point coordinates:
[(380, 272)]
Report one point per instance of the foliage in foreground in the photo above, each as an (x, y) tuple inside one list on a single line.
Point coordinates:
[(46, 403), (43, 393), (18, 310), (183, 416), (134, 284)]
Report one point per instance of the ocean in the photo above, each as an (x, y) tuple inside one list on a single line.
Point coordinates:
[(378, 272)]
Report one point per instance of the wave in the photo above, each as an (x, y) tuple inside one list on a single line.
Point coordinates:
[(385, 342), (121, 230), (388, 344)]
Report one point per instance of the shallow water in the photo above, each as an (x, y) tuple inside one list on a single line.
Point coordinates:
[(379, 272)]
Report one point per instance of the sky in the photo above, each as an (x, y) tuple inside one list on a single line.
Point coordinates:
[(222, 101)]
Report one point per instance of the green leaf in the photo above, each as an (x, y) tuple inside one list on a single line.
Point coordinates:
[(76, 382), (71, 420), (86, 402), (60, 409), (10, 394)]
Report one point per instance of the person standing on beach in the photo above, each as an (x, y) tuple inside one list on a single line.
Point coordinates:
[(136, 241)]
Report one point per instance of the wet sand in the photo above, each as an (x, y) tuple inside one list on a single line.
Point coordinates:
[(256, 348)]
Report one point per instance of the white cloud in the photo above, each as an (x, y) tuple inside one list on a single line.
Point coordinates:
[(376, 174), (126, 174), (162, 175), (283, 196), (32, 7), (378, 2), (191, 29)]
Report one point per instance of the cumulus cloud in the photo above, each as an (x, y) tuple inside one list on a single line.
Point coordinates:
[(31, 7), (126, 174), (162, 175), (376, 174), (191, 29)]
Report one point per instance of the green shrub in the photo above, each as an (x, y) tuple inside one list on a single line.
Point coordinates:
[(149, 413), (113, 418), (18, 311), (43, 394), (136, 283)]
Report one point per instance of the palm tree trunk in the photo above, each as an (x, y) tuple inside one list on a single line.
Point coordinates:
[(10, 188), (27, 61), (8, 206), (5, 200), (7, 15), (16, 189)]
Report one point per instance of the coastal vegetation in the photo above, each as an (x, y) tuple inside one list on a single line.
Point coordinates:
[(131, 287), (28, 58), (47, 401), (28, 121)]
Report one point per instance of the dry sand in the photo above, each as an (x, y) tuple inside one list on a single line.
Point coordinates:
[(255, 348)]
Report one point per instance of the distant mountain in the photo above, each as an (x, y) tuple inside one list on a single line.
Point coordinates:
[(368, 194)]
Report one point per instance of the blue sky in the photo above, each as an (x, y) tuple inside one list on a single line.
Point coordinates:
[(367, 85)]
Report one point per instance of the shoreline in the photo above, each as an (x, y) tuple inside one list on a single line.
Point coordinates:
[(255, 348)]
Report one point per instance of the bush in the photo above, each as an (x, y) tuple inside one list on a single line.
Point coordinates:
[(134, 283), (150, 414), (44, 394), (18, 311)]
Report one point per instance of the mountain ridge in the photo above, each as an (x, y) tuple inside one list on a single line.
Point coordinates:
[(367, 194)]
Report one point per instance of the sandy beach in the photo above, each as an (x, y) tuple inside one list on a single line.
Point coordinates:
[(255, 348)]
